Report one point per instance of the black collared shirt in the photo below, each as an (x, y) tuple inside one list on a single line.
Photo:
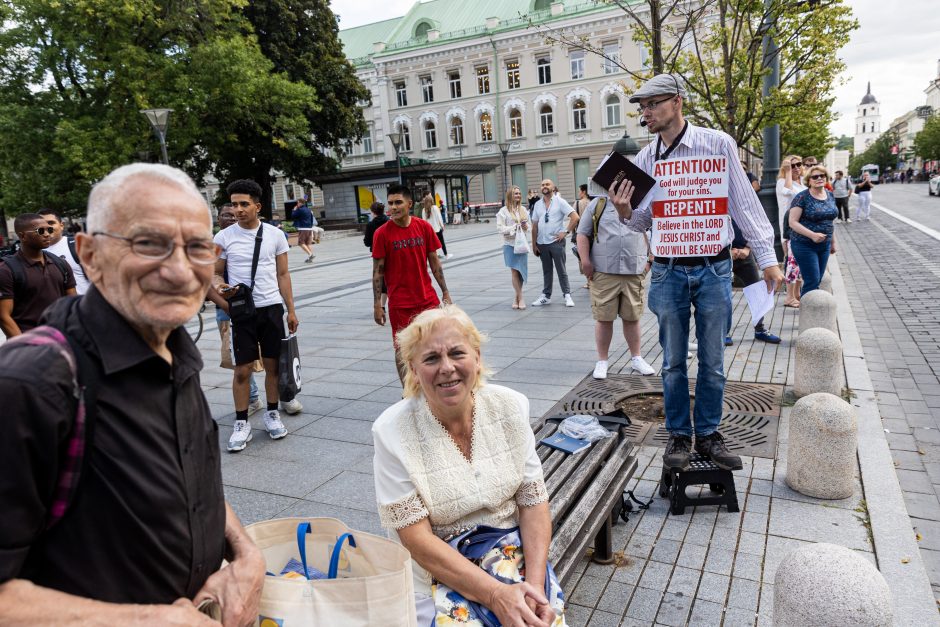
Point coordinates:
[(148, 522)]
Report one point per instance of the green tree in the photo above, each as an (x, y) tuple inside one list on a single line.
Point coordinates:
[(881, 152), (724, 66), (845, 143), (927, 142), (301, 39)]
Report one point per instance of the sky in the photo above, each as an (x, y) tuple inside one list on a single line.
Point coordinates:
[(897, 48)]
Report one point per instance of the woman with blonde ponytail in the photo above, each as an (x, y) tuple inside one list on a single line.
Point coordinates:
[(512, 217)]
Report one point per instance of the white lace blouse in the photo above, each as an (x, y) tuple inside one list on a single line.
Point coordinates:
[(421, 473)]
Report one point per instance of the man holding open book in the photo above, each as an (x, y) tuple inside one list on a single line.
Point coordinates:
[(698, 189)]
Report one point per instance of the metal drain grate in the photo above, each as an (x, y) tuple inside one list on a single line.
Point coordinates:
[(749, 423)]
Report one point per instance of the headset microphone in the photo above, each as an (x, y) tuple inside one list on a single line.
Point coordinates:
[(643, 123)]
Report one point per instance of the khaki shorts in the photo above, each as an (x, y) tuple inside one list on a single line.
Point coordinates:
[(613, 294), (304, 236)]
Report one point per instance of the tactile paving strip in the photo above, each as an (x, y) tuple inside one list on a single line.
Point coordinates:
[(749, 422)]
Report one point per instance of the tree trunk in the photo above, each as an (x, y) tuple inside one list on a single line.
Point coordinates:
[(656, 36), (263, 177)]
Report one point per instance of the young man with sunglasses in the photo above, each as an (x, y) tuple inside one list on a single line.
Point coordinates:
[(679, 284), (32, 279), (273, 299), (63, 246)]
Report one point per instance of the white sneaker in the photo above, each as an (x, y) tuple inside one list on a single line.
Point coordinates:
[(568, 301), (292, 406), (689, 355), (241, 435), (272, 422), (600, 370), (693, 346), (541, 300), (449, 256), (639, 364), (255, 406)]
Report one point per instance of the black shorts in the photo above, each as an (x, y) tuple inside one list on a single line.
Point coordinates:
[(265, 330)]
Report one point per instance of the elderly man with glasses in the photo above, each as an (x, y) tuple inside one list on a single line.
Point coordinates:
[(32, 279), (113, 510), (681, 284)]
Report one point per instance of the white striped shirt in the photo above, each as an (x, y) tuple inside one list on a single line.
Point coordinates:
[(743, 204)]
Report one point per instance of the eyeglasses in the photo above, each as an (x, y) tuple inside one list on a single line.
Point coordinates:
[(650, 106), (546, 216), (202, 252), (796, 165), (817, 177), (42, 230)]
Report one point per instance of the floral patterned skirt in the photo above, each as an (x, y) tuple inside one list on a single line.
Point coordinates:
[(506, 563), (792, 274)]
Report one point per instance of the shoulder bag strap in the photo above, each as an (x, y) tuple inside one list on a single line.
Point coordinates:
[(598, 212), (259, 236)]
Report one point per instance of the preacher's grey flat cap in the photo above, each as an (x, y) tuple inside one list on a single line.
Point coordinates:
[(660, 85)]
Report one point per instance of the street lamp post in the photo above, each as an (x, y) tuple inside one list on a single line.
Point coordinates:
[(504, 150), (771, 134), (395, 138), (159, 120)]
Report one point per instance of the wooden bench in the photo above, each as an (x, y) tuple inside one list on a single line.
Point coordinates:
[(585, 497)]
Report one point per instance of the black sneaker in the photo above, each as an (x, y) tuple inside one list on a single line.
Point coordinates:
[(713, 447), (678, 452)]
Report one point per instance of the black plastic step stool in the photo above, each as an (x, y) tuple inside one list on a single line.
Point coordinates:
[(701, 471)]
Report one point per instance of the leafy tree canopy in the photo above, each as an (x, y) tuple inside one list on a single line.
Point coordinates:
[(927, 141), (880, 152), (74, 76)]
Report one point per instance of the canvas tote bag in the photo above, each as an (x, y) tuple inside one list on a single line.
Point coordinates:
[(373, 584)]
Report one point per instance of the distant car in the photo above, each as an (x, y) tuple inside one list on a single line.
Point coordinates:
[(933, 186)]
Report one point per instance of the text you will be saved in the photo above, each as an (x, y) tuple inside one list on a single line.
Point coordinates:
[(690, 206)]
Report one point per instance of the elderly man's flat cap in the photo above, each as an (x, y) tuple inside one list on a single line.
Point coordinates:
[(659, 85)]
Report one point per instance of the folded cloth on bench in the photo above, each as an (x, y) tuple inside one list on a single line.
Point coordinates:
[(499, 553)]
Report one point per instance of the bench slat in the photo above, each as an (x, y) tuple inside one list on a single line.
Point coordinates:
[(574, 474), (593, 504)]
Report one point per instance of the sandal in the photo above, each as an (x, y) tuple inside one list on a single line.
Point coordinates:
[(515, 305)]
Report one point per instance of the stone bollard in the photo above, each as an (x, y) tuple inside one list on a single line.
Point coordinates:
[(818, 309), (825, 584), (825, 284), (821, 448), (818, 363)]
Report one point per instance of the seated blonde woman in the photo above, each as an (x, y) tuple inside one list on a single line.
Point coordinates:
[(454, 456)]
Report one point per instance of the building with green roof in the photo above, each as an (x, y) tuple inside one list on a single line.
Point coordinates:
[(459, 82)]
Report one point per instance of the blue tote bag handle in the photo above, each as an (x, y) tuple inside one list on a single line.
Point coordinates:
[(337, 549), (302, 530)]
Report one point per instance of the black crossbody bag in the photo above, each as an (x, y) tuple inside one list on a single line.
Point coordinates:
[(241, 304)]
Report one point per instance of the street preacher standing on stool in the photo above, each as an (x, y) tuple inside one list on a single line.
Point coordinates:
[(692, 264)]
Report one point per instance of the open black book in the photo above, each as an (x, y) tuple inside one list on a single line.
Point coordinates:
[(617, 168)]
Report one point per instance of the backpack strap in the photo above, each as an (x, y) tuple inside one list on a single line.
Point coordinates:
[(74, 252), (62, 265), (19, 275), (598, 212)]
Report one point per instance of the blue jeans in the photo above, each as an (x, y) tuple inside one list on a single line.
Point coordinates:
[(673, 292), (812, 259), (221, 316)]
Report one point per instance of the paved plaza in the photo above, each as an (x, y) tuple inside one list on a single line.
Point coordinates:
[(703, 568)]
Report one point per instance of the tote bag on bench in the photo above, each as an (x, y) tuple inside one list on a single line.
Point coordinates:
[(342, 577)]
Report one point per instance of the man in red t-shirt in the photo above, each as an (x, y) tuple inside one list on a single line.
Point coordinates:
[(402, 249)]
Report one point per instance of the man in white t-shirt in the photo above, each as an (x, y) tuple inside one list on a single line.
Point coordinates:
[(65, 248), (271, 293), (552, 219)]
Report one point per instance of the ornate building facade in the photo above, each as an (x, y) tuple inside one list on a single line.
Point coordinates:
[(456, 79)]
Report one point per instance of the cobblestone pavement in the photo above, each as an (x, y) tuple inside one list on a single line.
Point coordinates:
[(704, 568), (892, 275)]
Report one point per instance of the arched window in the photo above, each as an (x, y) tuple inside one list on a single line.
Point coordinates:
[(579, 115), (515, 123), (430, 135), (546, 120), (421, 30), (612, 110), (405, 137), (456, 131), (486, 127), (863, 127)]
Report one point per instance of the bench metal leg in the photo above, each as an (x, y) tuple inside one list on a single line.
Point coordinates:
[(603, 543)]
